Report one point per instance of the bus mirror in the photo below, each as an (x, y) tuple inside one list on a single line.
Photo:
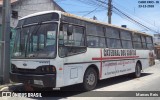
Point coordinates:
[(70, 30)]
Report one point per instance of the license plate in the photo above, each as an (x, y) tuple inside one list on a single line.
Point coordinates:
[(38, 82)]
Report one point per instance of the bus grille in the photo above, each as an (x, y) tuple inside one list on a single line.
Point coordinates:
[(26, 71)]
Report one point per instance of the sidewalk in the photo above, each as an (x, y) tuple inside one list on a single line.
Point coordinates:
[(7, 85), (157, 61)]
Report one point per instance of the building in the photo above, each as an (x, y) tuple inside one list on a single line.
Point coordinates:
[(21, 8), (157, 51), (156, 40)]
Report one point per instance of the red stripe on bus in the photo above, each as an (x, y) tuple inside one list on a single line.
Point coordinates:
[(101, 65), (110, 58)]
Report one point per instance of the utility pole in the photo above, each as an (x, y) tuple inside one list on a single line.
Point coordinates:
[(109, 11), (5, 44)]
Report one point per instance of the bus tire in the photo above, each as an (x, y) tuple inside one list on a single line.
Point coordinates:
[(137, 73), (90, 79)]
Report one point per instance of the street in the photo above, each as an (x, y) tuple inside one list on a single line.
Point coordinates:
[(149, 81)]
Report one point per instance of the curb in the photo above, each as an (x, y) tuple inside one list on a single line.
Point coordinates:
[(4, 87)]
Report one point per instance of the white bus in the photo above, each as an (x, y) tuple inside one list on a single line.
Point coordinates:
[(54, 49)]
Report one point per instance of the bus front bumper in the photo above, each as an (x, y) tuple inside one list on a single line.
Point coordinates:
[(47, 80)]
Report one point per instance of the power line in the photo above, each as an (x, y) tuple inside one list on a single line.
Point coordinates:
[(92, 11), (117, 11), (91, 2), (134, 20), (131, 19), (146, 20), (85, 11), (125, 18), (74, 5)]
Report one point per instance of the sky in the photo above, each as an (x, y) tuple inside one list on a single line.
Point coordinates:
[(148, 16)]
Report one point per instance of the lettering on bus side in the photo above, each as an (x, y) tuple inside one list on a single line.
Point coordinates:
[(119, 52)]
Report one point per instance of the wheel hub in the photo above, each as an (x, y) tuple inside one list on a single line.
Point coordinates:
[(138, 70), (91, 79)]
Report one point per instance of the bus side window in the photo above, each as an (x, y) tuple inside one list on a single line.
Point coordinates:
[(92, 41), (95, 36), (149, 42), (61, 36), (144, 44), (137, 41), (73, 43), (113, 38), (77, 37), (126, 39)]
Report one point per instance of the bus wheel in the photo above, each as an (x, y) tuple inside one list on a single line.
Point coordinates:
[(90, 79), (137, 73)]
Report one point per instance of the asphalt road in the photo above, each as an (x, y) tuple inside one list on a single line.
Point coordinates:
[(150, 81)]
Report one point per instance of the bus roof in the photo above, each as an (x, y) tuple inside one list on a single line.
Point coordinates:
[(98, 22), (83, 18), (40, 13)]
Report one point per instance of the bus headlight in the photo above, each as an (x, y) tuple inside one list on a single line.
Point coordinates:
[(48, 69), (13, 68)]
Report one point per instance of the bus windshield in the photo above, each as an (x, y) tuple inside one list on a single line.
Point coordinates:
[(36, 41)]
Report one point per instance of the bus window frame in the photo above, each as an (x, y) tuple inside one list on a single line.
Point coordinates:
[(144, 42), (121, 32), (137, 41), (150, 43), (96, 36), (71, 46), (107, 37), (33, 24)]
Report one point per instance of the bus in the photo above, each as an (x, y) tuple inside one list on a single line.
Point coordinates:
[(54, 49)]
